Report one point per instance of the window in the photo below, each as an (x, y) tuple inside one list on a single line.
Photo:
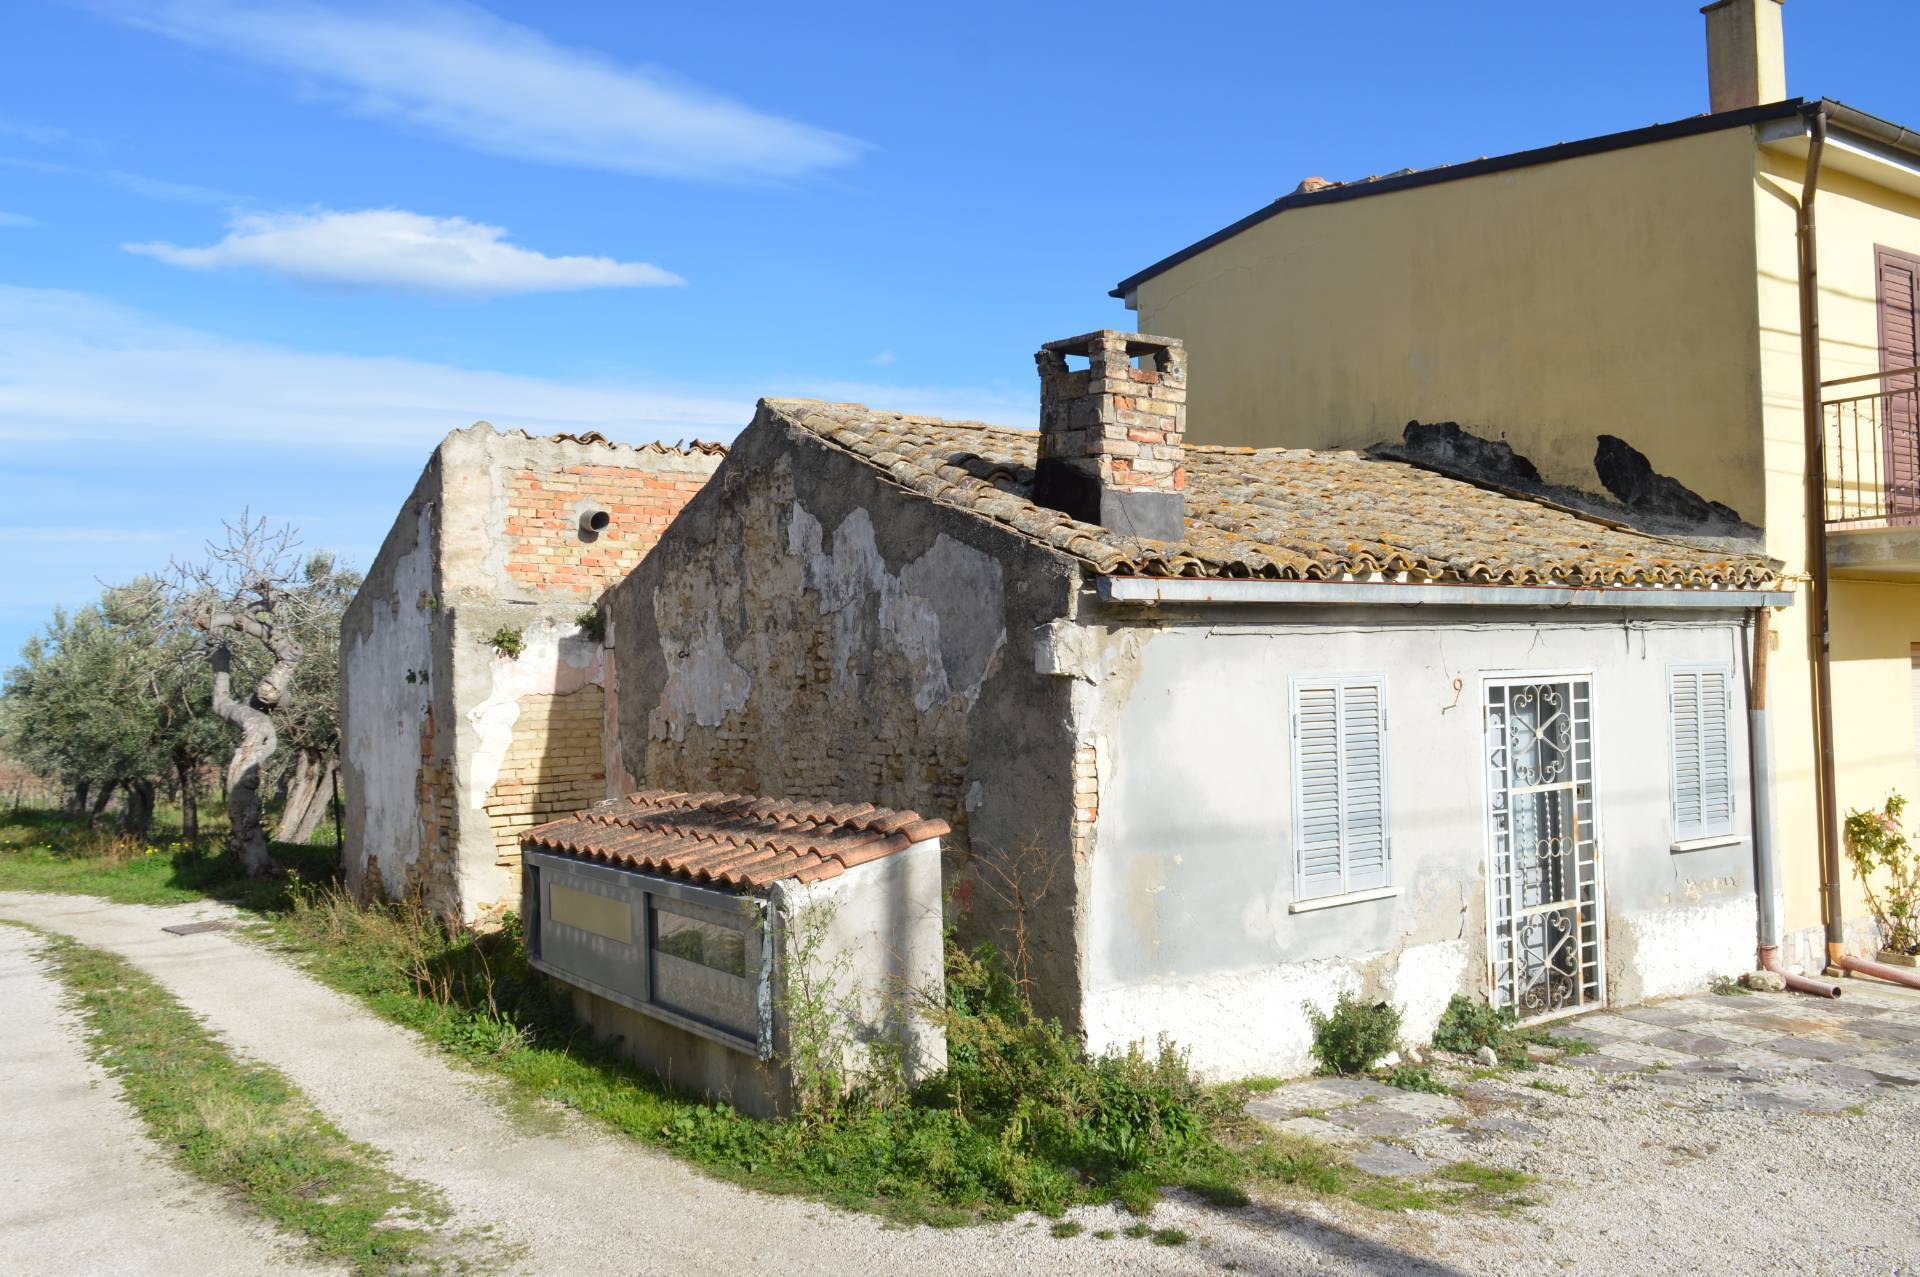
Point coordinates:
[(1699, 698), (1340, 836)]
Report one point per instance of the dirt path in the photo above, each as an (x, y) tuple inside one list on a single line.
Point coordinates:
[(81, 1188), (1640, 1173), (572, 1198)]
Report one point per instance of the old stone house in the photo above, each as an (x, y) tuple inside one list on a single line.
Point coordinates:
[(471, 668), (1218, 730)]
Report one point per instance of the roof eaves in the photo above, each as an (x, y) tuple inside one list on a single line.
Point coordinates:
[(1361, 188)]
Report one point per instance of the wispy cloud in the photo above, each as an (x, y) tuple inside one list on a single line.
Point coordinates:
[(80, 368), (152, 188), (39, 134), (17, 221), (883, 360), (452, 70), (400, 251)]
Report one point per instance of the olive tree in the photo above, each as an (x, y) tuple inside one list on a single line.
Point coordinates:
[(257, 602)]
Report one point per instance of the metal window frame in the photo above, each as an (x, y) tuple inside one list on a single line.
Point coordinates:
[(1725, 670), (1339, 682), (753, 912), (1488, 680)]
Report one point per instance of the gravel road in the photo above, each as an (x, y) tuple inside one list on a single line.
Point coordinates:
[(1636, 1177)]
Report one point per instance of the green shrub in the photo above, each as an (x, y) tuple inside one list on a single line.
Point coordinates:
[(1415, 1077), (507, 641), (1355, 1034), (1467, 1026)]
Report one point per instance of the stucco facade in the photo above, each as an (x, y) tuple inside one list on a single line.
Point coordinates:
[(1641, 288), (452, 742), (810, 627)]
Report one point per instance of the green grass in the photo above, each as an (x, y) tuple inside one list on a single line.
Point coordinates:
[(49, 851), (1551, 1088), (243, 1127), (1068, 1228), (1022, 1120)]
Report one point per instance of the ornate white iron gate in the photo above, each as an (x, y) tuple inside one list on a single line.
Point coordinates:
[(1545, 932)]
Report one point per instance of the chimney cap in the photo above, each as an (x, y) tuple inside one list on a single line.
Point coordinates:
[(1136, 343)]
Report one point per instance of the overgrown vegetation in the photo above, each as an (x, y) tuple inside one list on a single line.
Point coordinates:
[(1415, 1077), (1466, 1026), (242, 1126), (1880, 849), (507, 641), (1353, 1036), (1022, 1119), (593, 624)]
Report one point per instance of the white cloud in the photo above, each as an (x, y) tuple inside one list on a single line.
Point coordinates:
[(451, 70), (883, 359), (38, 134), (399, 251), (81, 369), (17, 221)]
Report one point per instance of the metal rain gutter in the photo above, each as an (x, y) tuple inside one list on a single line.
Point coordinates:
[(1148, 589)]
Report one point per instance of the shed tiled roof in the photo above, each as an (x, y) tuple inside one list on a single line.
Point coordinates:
[(733, 841), (1280, 513)]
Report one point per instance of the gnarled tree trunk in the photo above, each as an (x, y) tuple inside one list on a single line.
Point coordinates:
[(307, 795), (189, 801), (136, 818), (258, 740)]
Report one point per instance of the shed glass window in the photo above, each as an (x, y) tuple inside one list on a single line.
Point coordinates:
[(1340, 833), (1700, 709)]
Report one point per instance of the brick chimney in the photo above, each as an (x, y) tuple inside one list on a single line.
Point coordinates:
[(1746, 54), (1112, 436)]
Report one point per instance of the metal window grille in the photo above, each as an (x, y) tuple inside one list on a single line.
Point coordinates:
[(1545, 933)]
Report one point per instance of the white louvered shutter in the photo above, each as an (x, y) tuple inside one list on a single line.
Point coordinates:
[(1339, 774), (1702, 752)]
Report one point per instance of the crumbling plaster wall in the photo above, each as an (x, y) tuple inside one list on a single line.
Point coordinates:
[(1193, 857), (808, 630), (452, 746), (394, 643)]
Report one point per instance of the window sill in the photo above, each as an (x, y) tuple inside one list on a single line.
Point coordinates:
[(1344, 898), (1704, 844)]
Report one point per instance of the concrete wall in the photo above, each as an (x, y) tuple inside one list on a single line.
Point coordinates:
[(1544, 306), (808, 631), (867, 948), (1193, 862), (444, 772)]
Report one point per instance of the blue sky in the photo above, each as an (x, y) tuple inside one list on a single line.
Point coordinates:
[(267, 254)]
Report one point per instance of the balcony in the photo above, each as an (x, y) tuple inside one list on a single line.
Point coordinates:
[(1872, 429)]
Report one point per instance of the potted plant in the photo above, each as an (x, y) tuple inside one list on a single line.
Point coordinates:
[(1879, 847)]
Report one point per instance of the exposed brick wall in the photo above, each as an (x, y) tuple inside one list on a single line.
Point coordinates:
[(546, 551), (554, 766)]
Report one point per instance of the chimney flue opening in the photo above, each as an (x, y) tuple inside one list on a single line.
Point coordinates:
[(1113, 434)]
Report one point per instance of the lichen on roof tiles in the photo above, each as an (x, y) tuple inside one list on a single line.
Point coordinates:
[(732, 842), (1279, 513)]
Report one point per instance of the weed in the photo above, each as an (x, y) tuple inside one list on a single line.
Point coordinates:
[(1729, 987), (1068, 1228), (1139, 1230), (1551, 1088), (1466, 1026), (1353, 1035), (1169, 1237), (1490, 1179), (507, 641), (1105, 1234), (593, 624), (1415, 1077), (1261, 1085)]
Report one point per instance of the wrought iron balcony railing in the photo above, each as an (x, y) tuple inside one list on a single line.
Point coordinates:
[(1873, 449)]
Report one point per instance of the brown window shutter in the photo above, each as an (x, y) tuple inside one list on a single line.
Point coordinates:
[(1899, 302)]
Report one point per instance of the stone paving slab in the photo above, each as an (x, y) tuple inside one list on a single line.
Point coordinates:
[(1778, 1055)]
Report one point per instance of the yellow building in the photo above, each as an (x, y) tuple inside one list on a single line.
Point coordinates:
[(1647, 287)]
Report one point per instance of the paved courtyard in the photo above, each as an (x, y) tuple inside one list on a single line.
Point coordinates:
[(1734, 1052)]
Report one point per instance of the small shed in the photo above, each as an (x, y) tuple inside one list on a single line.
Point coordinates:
[(689, 928)]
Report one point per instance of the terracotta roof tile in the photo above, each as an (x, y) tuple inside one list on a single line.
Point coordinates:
[(1280, 513), (733, 841)]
